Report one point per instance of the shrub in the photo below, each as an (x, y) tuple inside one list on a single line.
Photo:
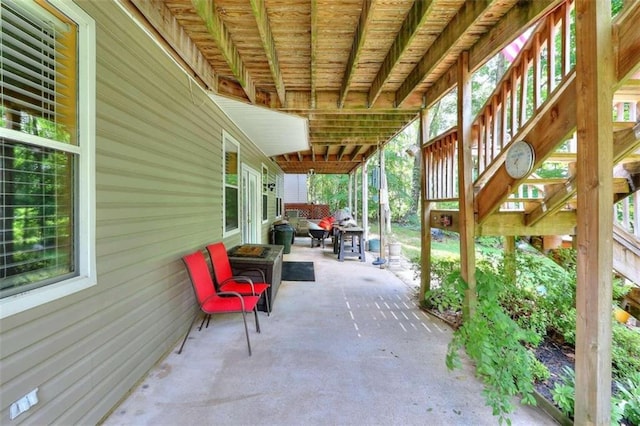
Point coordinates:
[(498, 347), (625, 351), (627, 401), (444, 296), (564, 393)]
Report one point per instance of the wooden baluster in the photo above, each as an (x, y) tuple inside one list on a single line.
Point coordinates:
[(566, 42), (487, 135), (537, 71), (626, 223), (503, 117), (495, 129), (514, 102), (551, 53), (636, 214), (522, 107)]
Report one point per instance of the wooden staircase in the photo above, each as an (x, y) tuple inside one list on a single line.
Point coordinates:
[(536, 101)]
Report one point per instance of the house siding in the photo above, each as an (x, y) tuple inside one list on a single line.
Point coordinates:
[(158, 197)]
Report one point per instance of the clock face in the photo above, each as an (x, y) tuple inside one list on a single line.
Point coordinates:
[(520, 159)]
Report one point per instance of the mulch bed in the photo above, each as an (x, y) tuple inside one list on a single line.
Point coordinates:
[(555, 357)]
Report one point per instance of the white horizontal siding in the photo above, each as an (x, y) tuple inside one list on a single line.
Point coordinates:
[(159, 196)]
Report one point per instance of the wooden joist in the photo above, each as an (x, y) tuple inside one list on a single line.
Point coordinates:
[(469, 15), (218, 31), (356, 50), (269, 46), (410, 26)]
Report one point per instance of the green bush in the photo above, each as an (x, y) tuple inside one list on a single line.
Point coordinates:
[(444, 296), (625, 351), (627, 401), (498, 346), (564, 393)]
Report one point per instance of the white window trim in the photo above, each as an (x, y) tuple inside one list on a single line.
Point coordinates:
[(280, 195), (227, 138), (86, 170)]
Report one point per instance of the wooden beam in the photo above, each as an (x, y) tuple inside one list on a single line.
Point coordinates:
[(625, 142), (594, 83), (206, 9), (327, 100), (356, 48), (314, 55), (469, 15), (180, 45), (465, 185), (410, 26), (341, 152), (352, 133), (269, 46), (552, 203), (522, 15), (513, 224), (627, 41), (510, 224), (426, 207)]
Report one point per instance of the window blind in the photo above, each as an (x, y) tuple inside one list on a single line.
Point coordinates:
[(38, 71)]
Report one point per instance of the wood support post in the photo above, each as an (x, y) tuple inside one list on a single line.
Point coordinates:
[(465, 185), (350, 193), (354, 211), (594, 82), (383, 200), (365, 201), (425, 212)]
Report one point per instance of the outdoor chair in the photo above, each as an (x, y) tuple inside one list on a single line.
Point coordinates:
[(213, 302), (226, 281)]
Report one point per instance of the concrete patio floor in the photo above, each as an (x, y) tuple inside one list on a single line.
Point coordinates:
[(350, 348)]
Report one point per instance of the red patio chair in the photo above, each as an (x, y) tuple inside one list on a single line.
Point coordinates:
[(226, 281), (212, 302)]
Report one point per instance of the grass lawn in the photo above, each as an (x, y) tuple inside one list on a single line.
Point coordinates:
[(448, 246)]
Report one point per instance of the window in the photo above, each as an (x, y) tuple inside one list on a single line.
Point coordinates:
[(265, 197), (47, 130), (231, 185)]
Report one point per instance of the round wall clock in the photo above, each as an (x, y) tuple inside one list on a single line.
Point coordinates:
[(520, 159)]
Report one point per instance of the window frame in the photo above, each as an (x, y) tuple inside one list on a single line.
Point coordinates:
[(265, 194), (279, 195), (228, 139), (84, 151)]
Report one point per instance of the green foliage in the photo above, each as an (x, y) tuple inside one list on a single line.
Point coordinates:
[(620, 289), (539, 371), (535, 271), (564, 393), (627, 401), (498, 346), (625, 351), (567, 258), (329, 189), (445, 296)]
